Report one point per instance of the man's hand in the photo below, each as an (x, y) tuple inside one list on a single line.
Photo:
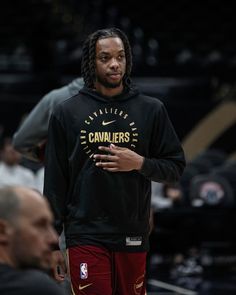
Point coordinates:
[(58, 266), (118, 159)]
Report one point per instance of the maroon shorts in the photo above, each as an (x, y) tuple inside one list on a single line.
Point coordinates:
[(98, 271)]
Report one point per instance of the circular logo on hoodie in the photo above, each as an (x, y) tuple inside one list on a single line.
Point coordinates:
[(105, 126)]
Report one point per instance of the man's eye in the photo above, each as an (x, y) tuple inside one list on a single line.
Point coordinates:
[(41, 224), (103, 58), (121, 57)]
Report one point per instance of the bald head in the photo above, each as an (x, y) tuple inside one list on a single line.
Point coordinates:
[(14, 198), (9, 204)]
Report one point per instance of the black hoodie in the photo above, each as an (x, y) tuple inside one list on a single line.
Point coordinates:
[(96, 206)]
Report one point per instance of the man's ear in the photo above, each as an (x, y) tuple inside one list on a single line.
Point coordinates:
[(5, 231)]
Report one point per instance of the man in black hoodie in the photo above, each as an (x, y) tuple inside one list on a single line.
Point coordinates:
[(105, 146)]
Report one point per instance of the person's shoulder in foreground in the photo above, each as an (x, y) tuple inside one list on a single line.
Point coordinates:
[(26, 282)]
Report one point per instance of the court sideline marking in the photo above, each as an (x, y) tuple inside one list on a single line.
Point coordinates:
[(170, 287)]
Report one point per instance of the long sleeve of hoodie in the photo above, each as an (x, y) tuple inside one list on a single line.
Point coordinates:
[(56, 171), (166, 162)]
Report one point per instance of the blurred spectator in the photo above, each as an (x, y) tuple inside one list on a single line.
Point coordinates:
[(202, 164), (30, 138), (26, 240), (11, 173), (211, 190), (158, 200), (227, 170), (217, 188), (174, 193), (167, 196)]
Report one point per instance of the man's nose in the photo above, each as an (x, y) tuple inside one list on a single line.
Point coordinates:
[(114, 63), (53, 236)]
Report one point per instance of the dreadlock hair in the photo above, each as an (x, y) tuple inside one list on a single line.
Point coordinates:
[(89, 55)]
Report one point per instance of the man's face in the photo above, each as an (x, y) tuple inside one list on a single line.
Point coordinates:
[(110, 62), (33, 236)]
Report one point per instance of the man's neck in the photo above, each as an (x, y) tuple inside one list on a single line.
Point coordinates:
[(109, 92)]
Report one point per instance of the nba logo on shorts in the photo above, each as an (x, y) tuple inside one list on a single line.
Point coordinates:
[(83, 271)]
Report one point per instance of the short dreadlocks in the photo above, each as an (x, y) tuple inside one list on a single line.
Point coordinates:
[(89, 55)]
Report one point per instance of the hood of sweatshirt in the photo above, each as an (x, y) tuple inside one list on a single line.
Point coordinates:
[(125, 95)]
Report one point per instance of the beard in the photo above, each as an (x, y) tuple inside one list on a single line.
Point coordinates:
[(32, 262), (108, 84), (25, 260)]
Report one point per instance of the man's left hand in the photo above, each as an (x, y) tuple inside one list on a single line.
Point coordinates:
[(118, 159)]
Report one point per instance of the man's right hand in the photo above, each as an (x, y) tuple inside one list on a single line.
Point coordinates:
[(58, 266)]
